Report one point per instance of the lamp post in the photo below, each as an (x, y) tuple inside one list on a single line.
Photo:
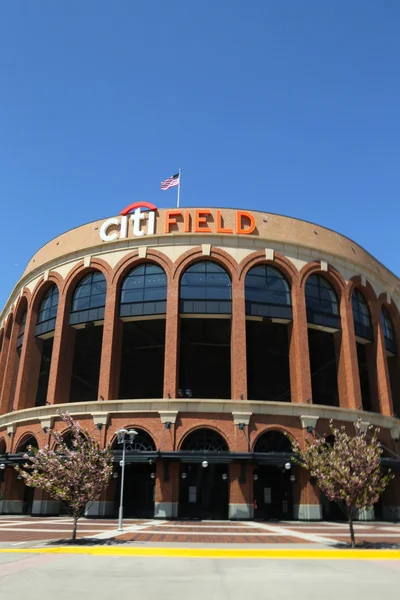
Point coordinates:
[(123, 436), (2, 467)]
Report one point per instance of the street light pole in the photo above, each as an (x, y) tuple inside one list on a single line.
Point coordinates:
[(122, 433)]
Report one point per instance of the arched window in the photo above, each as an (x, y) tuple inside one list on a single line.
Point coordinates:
[(322, 303), (205, 289), (21, 331), (144, 292), (204, 440), (388, 332), (142, 442), (47, 313), (89, 299), (27, 441), (361, 316), (267, 293), (273, 441)]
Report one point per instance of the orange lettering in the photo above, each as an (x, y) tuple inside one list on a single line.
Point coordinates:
[(221, 229), (187, 221), (170, 219), (242, 214), (199, 219)]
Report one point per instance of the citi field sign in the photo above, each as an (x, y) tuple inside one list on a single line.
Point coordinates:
[(140, 219)]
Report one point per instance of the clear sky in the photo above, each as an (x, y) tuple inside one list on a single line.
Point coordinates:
[(284, 106)]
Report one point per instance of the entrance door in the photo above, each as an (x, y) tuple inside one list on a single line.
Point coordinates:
[(204, 492), (138, 491), (273, 494)]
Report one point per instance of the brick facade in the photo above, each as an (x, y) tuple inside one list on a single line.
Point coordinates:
[(19, 371)]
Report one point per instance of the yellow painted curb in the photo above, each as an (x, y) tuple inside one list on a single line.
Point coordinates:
[(227, 553)]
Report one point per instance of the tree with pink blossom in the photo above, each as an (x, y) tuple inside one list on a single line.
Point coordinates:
[(348, 469), (75, 472)]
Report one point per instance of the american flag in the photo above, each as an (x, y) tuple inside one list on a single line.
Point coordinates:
[(170, 182)]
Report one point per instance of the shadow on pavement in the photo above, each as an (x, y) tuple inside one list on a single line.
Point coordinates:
[(368, 546), (87, 542)]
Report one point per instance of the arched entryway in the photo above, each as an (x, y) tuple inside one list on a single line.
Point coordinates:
[(273, 487), (204, 481), (25, 493), (139, 482)]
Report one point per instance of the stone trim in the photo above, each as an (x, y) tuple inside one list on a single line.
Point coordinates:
[(241, 417), (11, 420), (308, 421)]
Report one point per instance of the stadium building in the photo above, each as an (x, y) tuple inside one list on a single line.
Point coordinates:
[(218, 335)]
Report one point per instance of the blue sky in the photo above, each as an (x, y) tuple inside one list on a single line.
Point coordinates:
[(288, 107)]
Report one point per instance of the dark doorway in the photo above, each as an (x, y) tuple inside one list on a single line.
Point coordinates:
[(205, 357), (331, 511), (138, 491), (142, 360), (44, 373), (204, 491), (273, 494), (323, 367), (27, 503), (86, 364), (364, 375), (268, 374)]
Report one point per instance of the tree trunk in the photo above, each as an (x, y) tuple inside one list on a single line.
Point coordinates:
[(75, 528), (353, 539)]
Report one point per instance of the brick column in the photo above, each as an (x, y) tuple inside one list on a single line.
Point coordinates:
[(306, 497), (299, 356), (110, 365), (238, 342), (28, 373), (10, 371), (167, 489), (62, 357), (241, 491), (346, 359), (171, 360)]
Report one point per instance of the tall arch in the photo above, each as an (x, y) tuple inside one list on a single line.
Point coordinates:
[(142, 310), (364, 336), (389, 320), (324, 339), (269, 315), (86, 318), (15, 348), (205, 309)]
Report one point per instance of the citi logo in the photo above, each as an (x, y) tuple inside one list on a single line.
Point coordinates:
[(118, 228)]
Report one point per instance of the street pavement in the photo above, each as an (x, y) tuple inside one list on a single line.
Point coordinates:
[(45, 577)]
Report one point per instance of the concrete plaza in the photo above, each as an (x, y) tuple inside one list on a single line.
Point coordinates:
[(62, 576)]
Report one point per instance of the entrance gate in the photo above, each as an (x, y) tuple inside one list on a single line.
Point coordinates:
[(204, 487), (204, 492)]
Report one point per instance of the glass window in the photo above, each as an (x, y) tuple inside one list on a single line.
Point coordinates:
[(361, 315), (144, 291), (320, 295), (388, 332), (21, 331), (267, 292), (47, 312), (204, 440), (206, 288), (89, 299)]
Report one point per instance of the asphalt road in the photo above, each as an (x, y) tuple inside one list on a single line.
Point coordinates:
[(49, 576)]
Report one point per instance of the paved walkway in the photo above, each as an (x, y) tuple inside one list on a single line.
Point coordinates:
[(17, 530)]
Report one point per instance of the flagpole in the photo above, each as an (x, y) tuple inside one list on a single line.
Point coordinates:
[(178, 200)]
